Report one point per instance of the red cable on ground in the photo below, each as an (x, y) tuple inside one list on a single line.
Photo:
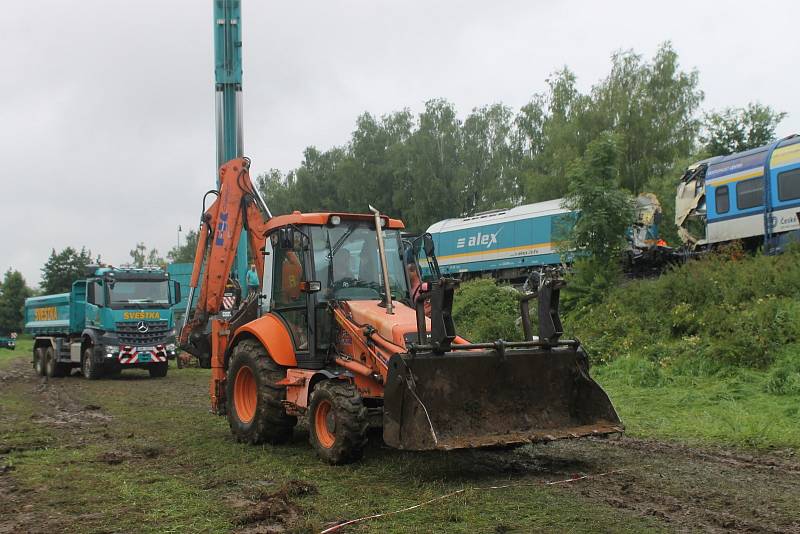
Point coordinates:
[(339, 526)]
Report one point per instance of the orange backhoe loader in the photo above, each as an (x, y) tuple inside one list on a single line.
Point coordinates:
[(335, 336)]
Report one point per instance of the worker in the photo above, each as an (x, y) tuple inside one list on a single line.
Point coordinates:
[(252, 280), (291, 276)]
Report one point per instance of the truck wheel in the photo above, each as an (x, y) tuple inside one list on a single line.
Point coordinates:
[(158, 370), (255, 403), (337, 422), (52, 368), (38, 361), (89, 367)]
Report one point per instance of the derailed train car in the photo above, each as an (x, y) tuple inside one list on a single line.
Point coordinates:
[(723, 199), (510, 244)]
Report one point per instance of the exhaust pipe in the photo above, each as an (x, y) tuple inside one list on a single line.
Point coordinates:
[(384, 267)]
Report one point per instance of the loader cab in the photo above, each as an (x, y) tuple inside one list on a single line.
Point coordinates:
[(311, 265)]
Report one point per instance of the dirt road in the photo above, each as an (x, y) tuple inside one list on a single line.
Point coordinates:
[(140, 454)]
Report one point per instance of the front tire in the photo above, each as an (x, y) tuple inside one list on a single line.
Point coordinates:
[(337, 422), (39, 361), (52, 368), (89, 367), (158, 370), (255, 402)]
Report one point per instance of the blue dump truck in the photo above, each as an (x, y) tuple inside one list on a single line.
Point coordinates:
[(114, 319)]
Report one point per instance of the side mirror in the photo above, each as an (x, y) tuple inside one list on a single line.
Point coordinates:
[(176, 291), (310, 287), (427, 245)]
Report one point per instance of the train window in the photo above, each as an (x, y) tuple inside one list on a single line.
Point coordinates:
[(789, 185), (750, 193), (721, 199)]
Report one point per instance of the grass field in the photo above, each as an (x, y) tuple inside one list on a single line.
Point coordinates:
[(728, 409), (142, 455)]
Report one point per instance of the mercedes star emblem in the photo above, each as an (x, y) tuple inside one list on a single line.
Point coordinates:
[(142, 327)]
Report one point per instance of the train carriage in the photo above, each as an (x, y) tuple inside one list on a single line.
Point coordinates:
[(725, 196)]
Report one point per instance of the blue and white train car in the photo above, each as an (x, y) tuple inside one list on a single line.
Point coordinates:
[(507, 243), (726, 195)]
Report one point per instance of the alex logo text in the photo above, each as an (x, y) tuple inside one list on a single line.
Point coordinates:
[(479, 239)]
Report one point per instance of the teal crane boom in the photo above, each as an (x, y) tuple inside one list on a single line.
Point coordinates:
[(228, 96)]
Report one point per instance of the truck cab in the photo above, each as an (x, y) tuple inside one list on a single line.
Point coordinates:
[(114, 319), (8, 340)]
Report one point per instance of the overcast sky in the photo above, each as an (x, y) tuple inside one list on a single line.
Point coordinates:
[(106, 106)]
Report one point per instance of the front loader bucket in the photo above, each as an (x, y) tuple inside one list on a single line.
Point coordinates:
[(480, 398)]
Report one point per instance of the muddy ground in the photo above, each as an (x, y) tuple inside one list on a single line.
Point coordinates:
[(79, 430)]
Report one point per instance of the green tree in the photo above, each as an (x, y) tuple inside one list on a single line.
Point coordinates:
[(64, 268), (435, 164), (605, 213), (606, 209), (653, 106), (13, 293), (185, 252), (277, 191), (737, 129), (141, 256), (490, 177), (551, 131)]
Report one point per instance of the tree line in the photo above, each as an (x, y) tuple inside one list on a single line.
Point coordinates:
[(635, 130), (434, 165)]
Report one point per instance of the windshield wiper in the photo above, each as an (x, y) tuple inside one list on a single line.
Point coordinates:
[(341, 240)]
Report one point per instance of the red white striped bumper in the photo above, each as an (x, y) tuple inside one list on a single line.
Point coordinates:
[(129, 355)]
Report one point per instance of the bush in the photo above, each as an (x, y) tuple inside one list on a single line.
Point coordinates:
[(784, 377), (724, 310), (485, 311)]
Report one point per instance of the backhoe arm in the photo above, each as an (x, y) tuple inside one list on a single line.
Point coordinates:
[(238, 206)]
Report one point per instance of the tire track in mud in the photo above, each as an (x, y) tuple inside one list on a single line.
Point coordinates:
[(57, 407), (682, 487), (686, 489)]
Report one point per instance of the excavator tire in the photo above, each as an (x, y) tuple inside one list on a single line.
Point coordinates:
[(337, 422), (38, 361), (255, 403)]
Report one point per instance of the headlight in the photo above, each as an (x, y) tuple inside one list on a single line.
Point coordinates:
[(172, 347), (110, 350)]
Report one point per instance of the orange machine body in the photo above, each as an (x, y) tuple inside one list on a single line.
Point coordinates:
[(236, 208)]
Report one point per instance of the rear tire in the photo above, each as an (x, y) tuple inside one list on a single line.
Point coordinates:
[(158, 370), (337, 422), (89, 367), (53, 369), (39, 361), (254, 402)]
